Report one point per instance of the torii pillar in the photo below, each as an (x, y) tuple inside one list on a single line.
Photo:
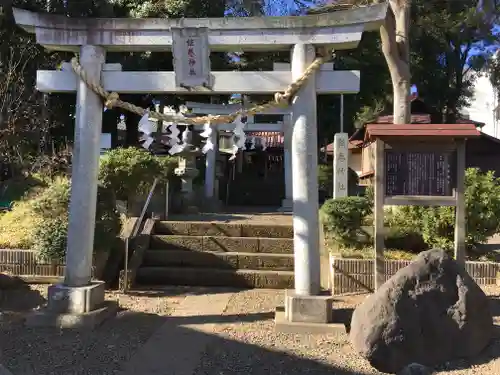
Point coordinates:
[(79, 301), (305, 304)]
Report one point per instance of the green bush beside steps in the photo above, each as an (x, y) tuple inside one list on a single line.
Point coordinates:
[(412, 228)]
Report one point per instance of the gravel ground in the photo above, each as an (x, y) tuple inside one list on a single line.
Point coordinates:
[(244, 340), (254, 347), (42, 351)]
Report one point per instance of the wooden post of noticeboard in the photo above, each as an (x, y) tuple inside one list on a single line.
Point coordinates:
[(460, 223), (378, 209)]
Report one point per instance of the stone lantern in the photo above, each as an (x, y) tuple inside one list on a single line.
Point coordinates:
[(187, 172)]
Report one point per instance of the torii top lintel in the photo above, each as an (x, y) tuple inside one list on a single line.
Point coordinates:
[(341, 30)]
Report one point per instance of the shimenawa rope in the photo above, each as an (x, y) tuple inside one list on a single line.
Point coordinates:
[(280, 99)]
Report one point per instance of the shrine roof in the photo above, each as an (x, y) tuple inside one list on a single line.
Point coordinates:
[(421, 130), (273, 139), (341, 29), (352, 145)]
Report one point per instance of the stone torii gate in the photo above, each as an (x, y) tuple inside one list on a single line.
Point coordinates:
[(78, 299)]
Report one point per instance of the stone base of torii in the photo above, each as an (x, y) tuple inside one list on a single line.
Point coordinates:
[(79, 301)]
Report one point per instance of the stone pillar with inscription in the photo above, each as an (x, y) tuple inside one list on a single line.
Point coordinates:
[(340, 165)]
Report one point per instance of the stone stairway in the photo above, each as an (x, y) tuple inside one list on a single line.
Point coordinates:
[(201, 253)]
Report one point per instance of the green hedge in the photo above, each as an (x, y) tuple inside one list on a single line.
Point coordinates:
[(437, 224), (40, 220), (130, 171), (49, 236), (414, 228), (343, 219)]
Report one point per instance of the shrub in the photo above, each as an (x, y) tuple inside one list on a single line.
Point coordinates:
[(123, 172), (405, 217), (482, 197), (50, 238), (167, 165), (436, 224), (19, 186), (370, 194), (42, 222), (406, 239), (325, 180), (54, 200), (108, 222), (17, 226), (343, 219), (130, 171)]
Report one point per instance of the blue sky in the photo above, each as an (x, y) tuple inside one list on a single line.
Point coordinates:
[(285, 7)]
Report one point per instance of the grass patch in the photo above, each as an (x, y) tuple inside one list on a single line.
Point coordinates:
[(368, 253), (365, 252)]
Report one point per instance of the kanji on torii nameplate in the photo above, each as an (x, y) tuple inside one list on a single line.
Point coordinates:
[(191, 57)]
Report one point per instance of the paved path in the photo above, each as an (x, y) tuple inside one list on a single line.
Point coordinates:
[(177, 346)]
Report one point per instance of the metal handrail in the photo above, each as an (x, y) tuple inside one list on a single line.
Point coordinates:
[(133, 233)]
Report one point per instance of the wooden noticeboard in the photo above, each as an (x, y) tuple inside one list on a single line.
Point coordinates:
[(418, 165), (419, 173)]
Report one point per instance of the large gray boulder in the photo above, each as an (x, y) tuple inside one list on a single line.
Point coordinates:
[(10, 282), (430, 312)]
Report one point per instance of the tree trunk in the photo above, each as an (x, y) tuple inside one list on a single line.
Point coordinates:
[(395, 46), (401, 98)]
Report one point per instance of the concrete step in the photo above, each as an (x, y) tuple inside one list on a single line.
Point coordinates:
[(215, 277), (222, 244), (204, 228), (220, 260)]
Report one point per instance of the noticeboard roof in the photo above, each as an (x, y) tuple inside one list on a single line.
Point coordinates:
[(421, 130)]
